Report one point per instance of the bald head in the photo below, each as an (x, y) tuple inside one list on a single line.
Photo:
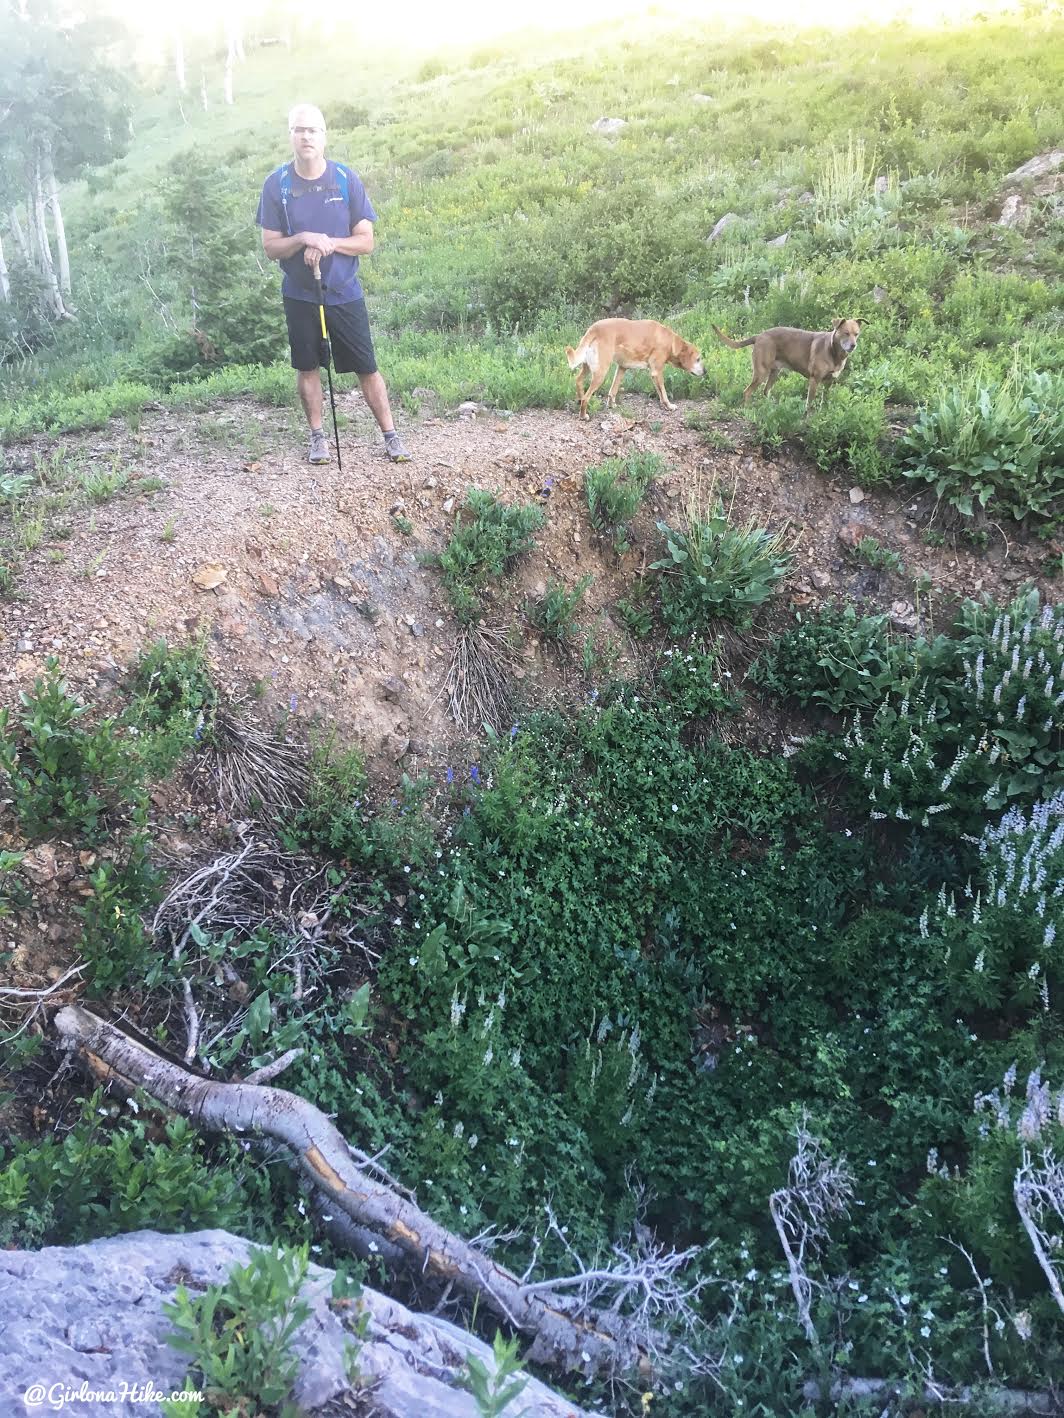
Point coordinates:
[(306, 130), (305, 115)]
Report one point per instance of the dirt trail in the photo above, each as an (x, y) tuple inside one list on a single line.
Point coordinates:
[(326, 611)]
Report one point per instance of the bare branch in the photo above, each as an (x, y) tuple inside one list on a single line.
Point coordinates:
[(568, 1331), (273, 1070), (1039, 1195), (982, 1284), (42, 994), (817, 1191)]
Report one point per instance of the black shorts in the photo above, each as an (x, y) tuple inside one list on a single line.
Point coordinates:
[(348, 327)]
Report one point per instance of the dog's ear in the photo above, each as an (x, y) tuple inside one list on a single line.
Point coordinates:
[(836, 323)]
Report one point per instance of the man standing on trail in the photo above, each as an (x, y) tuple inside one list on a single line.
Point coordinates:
[(316, 221)]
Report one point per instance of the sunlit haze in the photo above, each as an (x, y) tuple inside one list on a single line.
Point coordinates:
[(465, 22)]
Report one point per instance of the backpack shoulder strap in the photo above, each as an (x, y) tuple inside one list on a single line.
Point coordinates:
[(284, 174), (342, 182)]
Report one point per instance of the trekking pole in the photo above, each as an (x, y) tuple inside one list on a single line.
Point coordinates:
[(326, 359)]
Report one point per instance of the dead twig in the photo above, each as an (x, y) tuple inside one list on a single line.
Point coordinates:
[(256, 773), (478, 683), (817, 1190)]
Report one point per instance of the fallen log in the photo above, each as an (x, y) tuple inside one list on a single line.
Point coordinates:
[(564, 1331)]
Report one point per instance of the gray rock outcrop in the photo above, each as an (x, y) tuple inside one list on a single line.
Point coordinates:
[(90, 1318), (1039, 166)]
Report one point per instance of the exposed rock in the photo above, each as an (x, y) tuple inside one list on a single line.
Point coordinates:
[(608, 125), (820, 579), (779, 240), (1013, 212), (879, 295), (39, 864), (1039, 166), (396, 745), (701, 98), (92, 1315), (209, 575), (267, 584), (903, 617), (856, 495), (722, 226), (882, 183), (805, 199)]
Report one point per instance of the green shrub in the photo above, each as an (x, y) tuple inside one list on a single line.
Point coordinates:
[(615, 489), (492, 1390), (691, 680), (871, 551), (846, 429), (110, 1174), (552, 613), (8, 579), (995, 443), (59, 772), (837, 658), (13, 894), (238, 1335), (488, 538), (715, 571), (636, 610), (231, 287), (973, 723), (348, 115), (173, 701), (115, 944), (101, 484)]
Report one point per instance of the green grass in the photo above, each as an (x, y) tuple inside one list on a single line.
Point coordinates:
[(482, 174)]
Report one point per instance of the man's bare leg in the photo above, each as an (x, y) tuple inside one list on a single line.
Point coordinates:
[(375, 393), (308, 382)]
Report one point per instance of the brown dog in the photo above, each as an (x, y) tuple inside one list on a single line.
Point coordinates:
[(633, 344), (819, 355)]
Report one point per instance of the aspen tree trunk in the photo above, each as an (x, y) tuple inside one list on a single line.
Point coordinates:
[(179, 60), (20, 237), (5, 285), (561, 1335), (42, 247), (52, 188)]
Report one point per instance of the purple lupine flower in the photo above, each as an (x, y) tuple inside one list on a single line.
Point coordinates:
[(450, 775), (293, 700), (513, 731), (474, 773)]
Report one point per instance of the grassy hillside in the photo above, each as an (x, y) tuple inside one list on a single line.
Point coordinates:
[(506, 224), (618, 964)]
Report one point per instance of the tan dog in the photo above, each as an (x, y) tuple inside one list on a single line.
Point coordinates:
[(633, 344), (819, 355)]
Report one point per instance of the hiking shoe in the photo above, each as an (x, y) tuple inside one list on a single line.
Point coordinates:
[(395, 450), (319, 449)]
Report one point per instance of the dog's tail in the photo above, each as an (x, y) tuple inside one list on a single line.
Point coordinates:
[(577, 357), (735, 344)]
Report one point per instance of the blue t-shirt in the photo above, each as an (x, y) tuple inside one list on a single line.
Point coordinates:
[(319, 206)]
